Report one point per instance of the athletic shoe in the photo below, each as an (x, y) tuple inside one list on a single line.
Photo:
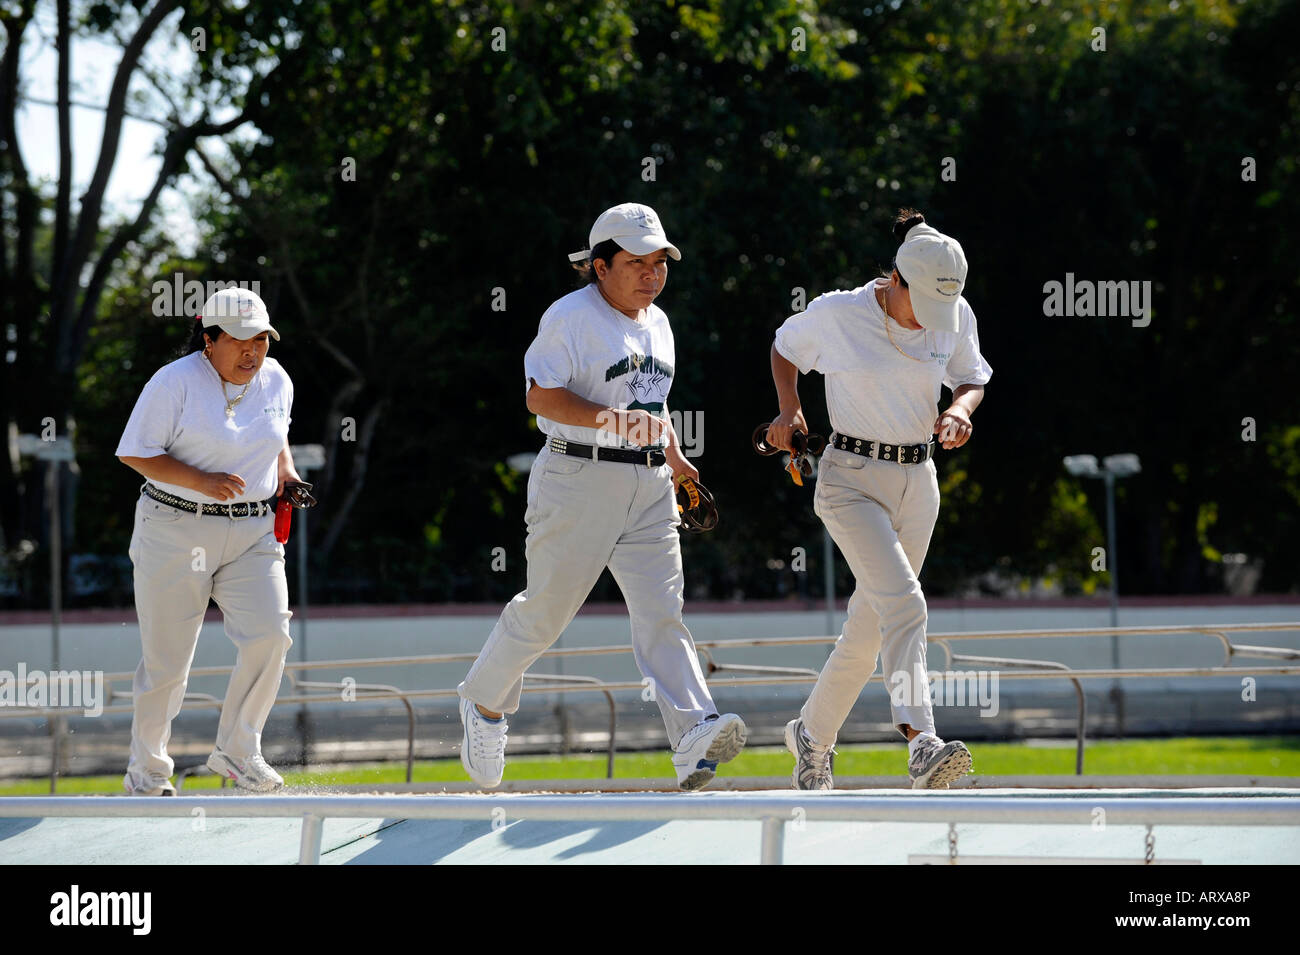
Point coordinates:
[(707, 743), (814, 763), (483, 749), (138, 783), (935, 763), (251, 773)]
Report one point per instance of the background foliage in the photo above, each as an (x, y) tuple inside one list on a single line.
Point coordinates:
[(776, 168)]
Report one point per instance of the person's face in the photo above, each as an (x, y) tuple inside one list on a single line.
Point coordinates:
[(631, 282), (237, 361)]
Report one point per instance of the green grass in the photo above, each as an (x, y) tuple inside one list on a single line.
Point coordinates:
[(1236, 756)]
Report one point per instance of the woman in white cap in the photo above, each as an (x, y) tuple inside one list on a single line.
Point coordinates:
[(209, 434), (886, 349), (601, 494)]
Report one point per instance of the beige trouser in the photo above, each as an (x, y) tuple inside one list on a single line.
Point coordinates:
[(582, 517), (881, 515), (180, 562)]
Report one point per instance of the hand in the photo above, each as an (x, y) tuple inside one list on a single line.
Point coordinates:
[(681, 467), (782, 430), (286, 474), (953, 428), (220, 485), (636, 426)]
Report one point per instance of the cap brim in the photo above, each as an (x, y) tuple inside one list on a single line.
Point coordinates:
[(243, 330), (935, 316), (645, 244)]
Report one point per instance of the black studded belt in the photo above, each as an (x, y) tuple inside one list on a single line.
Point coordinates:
[(234, 511), (905, 454), (649, 457)]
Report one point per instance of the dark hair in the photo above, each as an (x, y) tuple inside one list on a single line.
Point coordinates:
[(903, 223), (196, 342), (604, 250)]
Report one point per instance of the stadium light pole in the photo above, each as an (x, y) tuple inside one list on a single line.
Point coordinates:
[(306, 458), (1112, 468), (54, 452)]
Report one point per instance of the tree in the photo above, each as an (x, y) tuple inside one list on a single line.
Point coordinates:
[(55, 277)]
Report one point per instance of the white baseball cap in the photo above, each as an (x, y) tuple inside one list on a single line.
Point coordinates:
[(237, 312), (935, 269), (634, 227)]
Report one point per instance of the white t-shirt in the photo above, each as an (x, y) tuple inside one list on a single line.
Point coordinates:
[(181, 412), (586, 345), (872, 391)]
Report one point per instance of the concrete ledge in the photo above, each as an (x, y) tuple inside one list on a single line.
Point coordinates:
[(769, 783)]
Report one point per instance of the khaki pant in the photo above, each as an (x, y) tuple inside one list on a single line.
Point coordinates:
[(881, 516), (181, 560), (582, 517)]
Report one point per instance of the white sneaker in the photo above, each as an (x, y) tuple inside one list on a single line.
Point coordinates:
[(139, 783), (252, 773), (707, 743), (483, 748)]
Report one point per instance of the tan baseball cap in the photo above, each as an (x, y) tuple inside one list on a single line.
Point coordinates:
[(634, 227), (934, 266), (238, 312)]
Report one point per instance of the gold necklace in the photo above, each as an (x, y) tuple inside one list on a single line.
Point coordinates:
[(884, 304), (230, 402)]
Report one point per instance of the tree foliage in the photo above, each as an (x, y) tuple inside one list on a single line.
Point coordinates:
[(782, 135)]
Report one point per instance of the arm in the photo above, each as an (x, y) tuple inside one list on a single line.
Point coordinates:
[(785, 375), (673, 453), (957, 418), (562, 405), (165, 468), (284, 469)]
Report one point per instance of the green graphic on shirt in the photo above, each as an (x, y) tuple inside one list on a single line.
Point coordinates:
[(648, 383)]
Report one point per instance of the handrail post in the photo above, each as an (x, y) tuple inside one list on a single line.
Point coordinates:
[(410, 738), (613, 727), (309, 847), (772, 851), (1082, 727)]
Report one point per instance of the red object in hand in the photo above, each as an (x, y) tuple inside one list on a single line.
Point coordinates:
[(283, 519)]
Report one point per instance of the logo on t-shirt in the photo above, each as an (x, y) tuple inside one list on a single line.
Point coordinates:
[(648, 383)]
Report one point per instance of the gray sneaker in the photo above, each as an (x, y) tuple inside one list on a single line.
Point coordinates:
[(935, 763), (814, 764)]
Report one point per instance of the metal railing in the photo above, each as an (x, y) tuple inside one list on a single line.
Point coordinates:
[(772, 810), (758, 675)]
